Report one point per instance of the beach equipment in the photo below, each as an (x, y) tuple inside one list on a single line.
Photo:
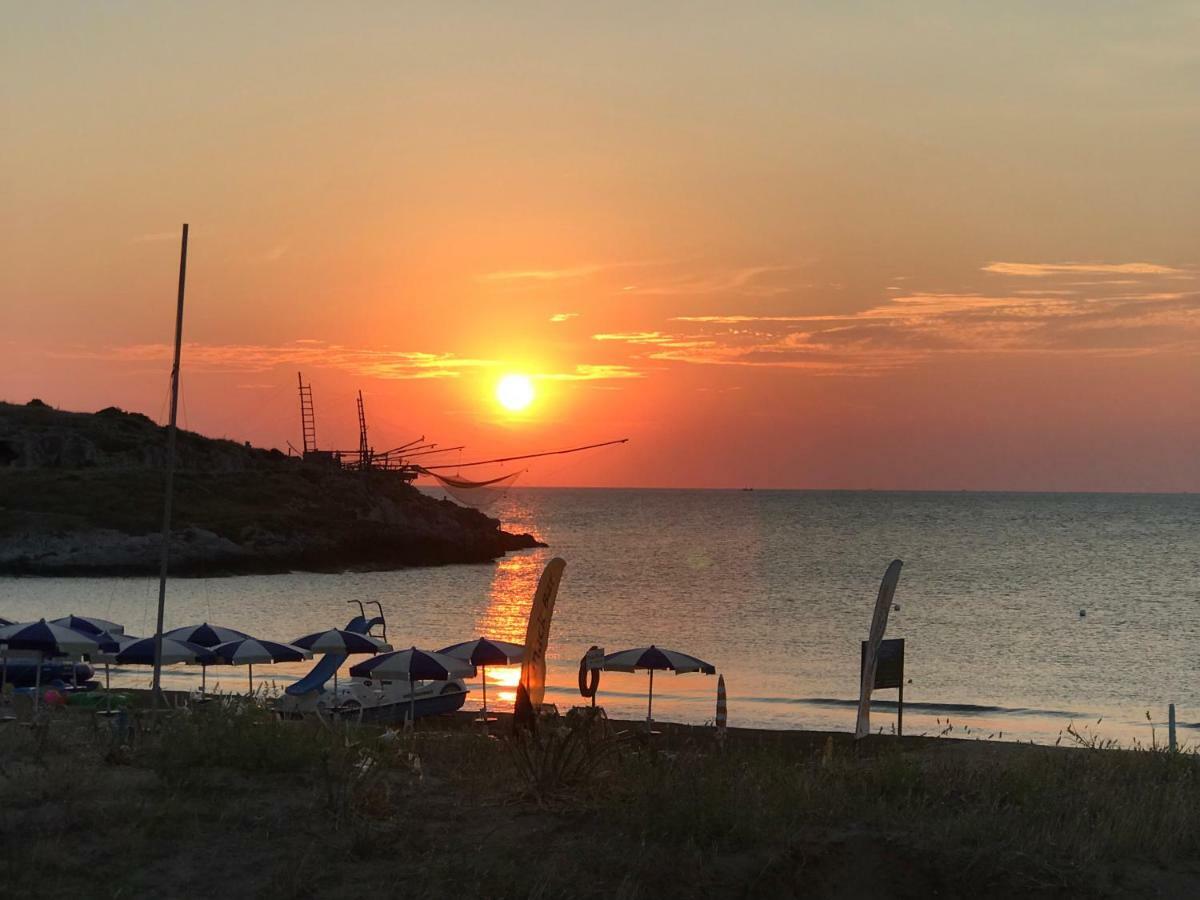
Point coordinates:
[(110, 646), (870, 658), (205, 635), (414, 665), (5, 622), (341, 642), (655, 659), (722, 717), (89, 625), (248, 651), (44, 638), (483, 652), (532, 687)]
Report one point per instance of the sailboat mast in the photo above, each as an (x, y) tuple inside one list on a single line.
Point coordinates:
[(170, 480)]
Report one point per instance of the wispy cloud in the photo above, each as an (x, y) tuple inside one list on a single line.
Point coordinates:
[(1041, 270), (1154, 316), (560, 274), (563, 317), (366, 362), (587, 372)]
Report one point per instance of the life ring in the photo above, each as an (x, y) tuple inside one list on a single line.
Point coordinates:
[(589, 679)]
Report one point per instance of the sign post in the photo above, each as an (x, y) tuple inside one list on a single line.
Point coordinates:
[(889, 672)]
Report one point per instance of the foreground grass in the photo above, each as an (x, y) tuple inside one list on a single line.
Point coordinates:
[(297, 809)]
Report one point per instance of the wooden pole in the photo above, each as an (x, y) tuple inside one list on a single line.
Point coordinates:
[(900, 704), (170, 480)]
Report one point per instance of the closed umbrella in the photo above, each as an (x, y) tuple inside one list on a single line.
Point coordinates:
[(339, 641), (44, 638), (655, 659), (414, 665), (484, 652), (248, 651)]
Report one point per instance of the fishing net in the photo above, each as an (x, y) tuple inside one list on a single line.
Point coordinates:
[(481, 495)]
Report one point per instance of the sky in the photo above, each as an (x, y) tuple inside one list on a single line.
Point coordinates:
[(923, 246)]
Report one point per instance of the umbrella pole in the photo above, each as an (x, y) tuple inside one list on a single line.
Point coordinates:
[(107, 691), (412, 704), (650, 702), (483, 670), (335, 694), (250, 676), (37, 683), (203, 680)]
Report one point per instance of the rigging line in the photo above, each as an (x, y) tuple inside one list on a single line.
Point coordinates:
[(501, 459), (427, 452)]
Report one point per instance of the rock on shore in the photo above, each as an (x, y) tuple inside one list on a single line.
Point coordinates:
[(81, 494)]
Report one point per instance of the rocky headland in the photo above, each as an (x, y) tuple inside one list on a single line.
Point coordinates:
[(82, 494)]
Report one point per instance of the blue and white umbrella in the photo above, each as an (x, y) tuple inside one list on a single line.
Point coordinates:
[(44, 638), (205, 635), (655, 659), (110, 646), (336, 640), (484, 652), (414, 665), (248, 651), (89, 625), (5, 622), (141, 653), (342, 642)]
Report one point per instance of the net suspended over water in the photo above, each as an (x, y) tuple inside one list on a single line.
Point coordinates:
[(481, 495), (484, 493)]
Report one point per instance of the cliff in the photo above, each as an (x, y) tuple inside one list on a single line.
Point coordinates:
[(82, 494)]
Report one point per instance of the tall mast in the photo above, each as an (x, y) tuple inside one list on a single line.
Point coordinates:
[(170, 481)]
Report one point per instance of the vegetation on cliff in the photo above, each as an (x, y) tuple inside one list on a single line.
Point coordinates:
[(82, 494)]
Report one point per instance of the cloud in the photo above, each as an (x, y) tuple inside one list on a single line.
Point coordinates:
[(563, 317), (1041, 270), (903, 330), (366, 362), (589, 372), (752, 281), (580, 271)]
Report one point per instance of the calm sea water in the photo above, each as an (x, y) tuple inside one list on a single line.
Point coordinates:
[(777, 589)]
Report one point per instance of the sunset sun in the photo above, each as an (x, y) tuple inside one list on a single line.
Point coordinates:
[(515, 392)]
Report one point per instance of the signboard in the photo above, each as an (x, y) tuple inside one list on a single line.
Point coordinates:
[(889, 664)]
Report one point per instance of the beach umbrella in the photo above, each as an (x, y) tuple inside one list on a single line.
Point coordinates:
[(110, 646), (484, 652), (337, 640), (141, 653), (248, 651), (89, 625), (655, 659), (414, 665), (44, 638), (5, 622), (206, 636)]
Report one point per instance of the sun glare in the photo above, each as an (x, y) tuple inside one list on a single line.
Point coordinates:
[(515, 392)]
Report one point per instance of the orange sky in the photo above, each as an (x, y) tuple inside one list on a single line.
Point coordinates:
[(886, 245)]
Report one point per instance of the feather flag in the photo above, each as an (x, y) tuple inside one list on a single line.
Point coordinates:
[(537, 636), (883, 604)]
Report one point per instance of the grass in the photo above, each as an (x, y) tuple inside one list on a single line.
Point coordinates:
[(301, 809)]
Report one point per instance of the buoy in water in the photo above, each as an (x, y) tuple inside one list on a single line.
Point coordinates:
[(1082, 613)]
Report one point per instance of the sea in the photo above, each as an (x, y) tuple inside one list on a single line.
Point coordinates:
[(1050, 618)]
